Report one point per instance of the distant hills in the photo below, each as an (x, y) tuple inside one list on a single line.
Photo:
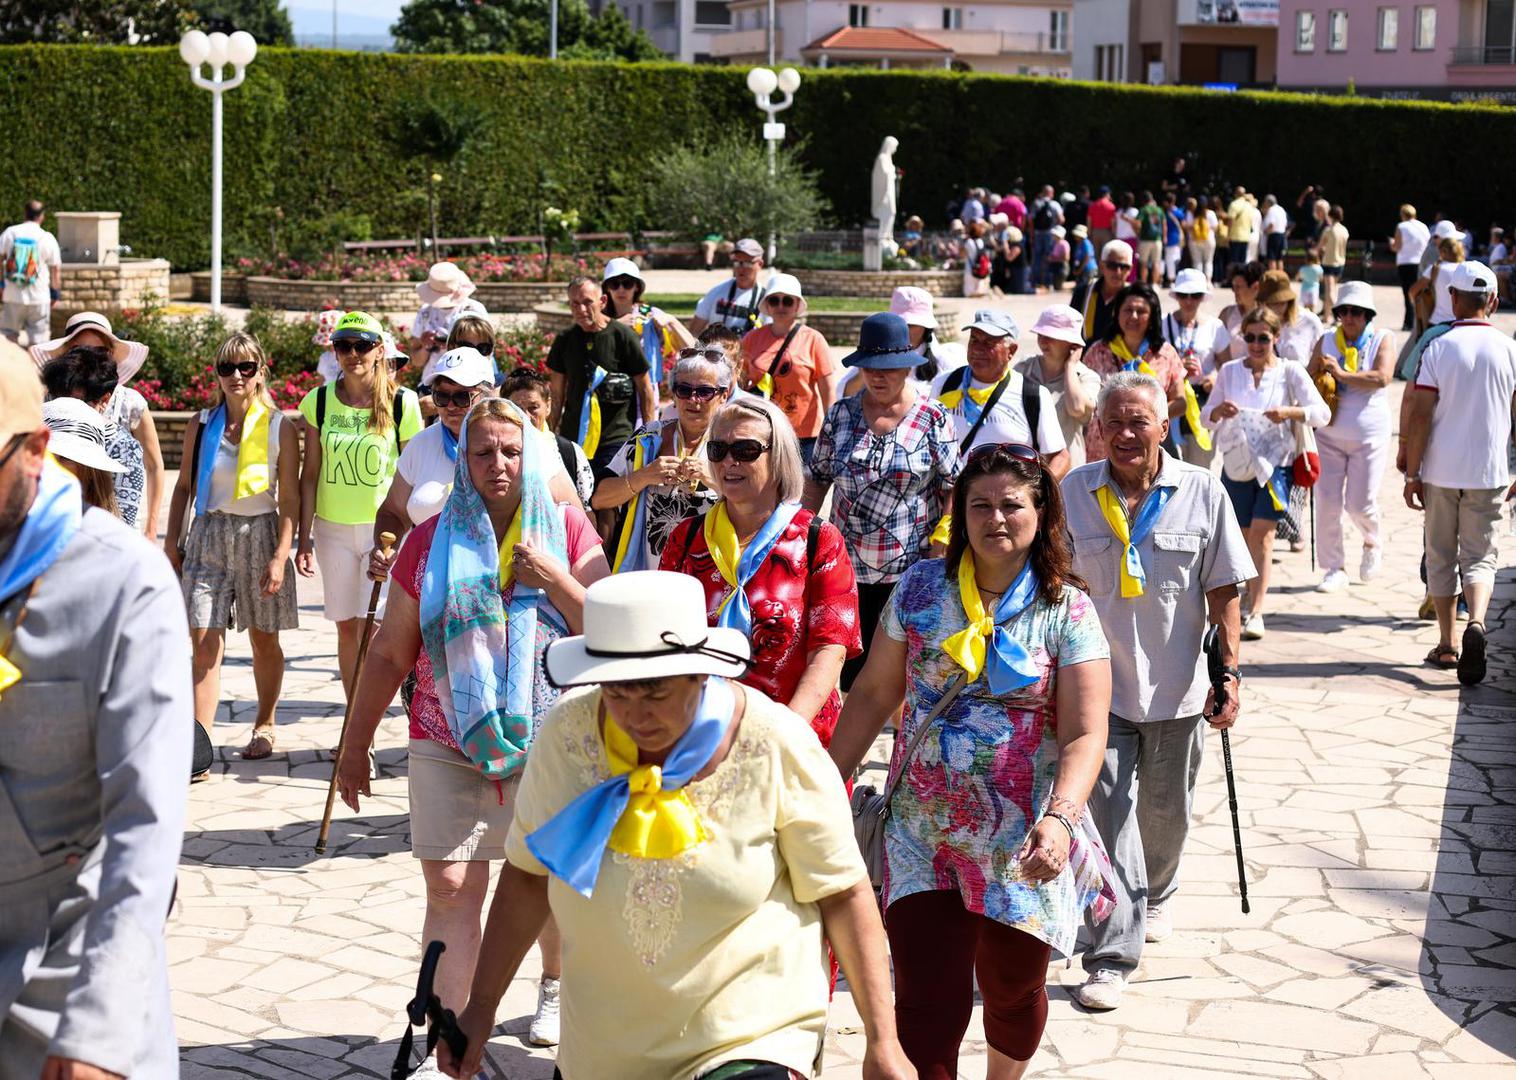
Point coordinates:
[(313, 27)]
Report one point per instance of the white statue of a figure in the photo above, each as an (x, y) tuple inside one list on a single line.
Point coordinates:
[(883, 192)]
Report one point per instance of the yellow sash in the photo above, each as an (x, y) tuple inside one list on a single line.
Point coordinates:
[(1115, 517), (253, 451), (967, 647), (592, 430), (721, 539), (951, 399), (656, 824), (508, 550), (10, 674), (1349, 353)]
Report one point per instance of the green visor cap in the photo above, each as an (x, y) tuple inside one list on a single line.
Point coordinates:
[(360, 325)]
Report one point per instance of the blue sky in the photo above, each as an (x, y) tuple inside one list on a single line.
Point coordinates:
[(353, 16)]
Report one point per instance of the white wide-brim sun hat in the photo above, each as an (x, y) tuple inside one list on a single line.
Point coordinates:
[(78, 434), (128, 355), (649, 624)]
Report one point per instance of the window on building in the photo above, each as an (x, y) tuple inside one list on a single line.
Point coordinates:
[(1058, 31), (1426, 28), (712, 13), (1387, 35), (857, 14), (1337, 31), (1110, 63), (952, 18), (1305, 31), (1499, 30)]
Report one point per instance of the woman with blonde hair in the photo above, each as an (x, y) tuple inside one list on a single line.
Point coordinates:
[(241, 476), (355, 430)]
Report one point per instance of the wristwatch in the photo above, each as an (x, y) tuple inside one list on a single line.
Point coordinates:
[(1235, 673)]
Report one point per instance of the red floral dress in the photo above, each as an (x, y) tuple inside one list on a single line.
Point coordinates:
[(794, 611)]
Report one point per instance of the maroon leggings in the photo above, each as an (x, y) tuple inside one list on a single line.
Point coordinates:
[(937, 948)]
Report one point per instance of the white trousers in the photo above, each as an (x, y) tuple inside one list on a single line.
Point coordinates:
[(1351, 471)]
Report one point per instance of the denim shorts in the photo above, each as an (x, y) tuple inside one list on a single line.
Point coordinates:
[(1251, 501)]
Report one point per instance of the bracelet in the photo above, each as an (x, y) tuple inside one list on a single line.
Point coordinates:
[(1062, 820), (1069, 807)]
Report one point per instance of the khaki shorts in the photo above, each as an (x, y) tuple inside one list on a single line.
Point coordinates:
[(1461, 529), (456, 814)]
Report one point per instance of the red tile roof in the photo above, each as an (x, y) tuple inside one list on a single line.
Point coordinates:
[(876, 39)]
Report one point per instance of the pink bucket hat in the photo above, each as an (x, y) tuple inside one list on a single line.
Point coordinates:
[(914, 306), (446, 286), (1061, 323)]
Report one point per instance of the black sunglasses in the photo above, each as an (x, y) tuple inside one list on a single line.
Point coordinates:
[(687, 392), (1019, 451), (1351, 309), (622, 282), (247, 369), (1258, 339), (458, 399), (783, 301), (349, 345), (1109, 265), (746, 451), (10, 451), (483, 348)]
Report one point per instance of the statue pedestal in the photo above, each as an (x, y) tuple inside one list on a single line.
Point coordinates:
[(873, 254)]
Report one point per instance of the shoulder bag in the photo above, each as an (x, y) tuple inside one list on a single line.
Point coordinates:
[(1305, 469)]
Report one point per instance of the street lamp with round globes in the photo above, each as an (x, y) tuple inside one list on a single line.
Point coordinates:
[(763, 82), (197, 48), (789, 80)]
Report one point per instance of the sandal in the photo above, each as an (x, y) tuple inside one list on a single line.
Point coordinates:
[(260, 746), (1471, 665), (1443, 656)]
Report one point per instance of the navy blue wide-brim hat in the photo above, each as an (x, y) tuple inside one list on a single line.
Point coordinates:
[(884, 341)]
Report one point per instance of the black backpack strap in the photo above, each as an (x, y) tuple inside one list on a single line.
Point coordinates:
[(1031, 405), (984, 413), (812, 539), (321, 409), (570, 461), (397, 409)]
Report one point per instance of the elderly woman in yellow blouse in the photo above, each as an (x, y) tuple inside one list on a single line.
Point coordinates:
[(694, 843)]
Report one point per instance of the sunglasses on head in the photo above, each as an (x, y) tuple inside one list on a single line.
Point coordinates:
[(351, 345), (746, 451), (1258, 339), (783, 301), (457, 399), (1350, 309), (1111, 264), (1019, 451), (622, 282), (708, 353), (689, 392), (247, 368)]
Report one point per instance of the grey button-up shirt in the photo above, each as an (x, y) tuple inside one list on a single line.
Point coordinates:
[(94, 772), (1157, 667)]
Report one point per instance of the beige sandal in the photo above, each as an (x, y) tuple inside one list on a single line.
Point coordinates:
[(260, 746)]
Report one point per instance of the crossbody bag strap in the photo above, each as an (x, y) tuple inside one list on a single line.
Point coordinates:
[(994, 399), (943, 702)]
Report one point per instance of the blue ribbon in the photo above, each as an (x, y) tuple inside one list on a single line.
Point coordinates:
[(50, 524), (449, 443), (738, 614), (572, 844), (596, 378), (652, 348), (651, 442), (210, 445), (1008, 665), (1147, 517)]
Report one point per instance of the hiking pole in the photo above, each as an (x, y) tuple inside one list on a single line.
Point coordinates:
[(386, 542), (1217, 671), (1311, 498), (427, 1006)]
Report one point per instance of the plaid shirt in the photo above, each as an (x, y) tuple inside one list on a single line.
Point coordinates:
[(888, 490)]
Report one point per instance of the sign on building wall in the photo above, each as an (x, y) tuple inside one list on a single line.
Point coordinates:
[(1243, 12)]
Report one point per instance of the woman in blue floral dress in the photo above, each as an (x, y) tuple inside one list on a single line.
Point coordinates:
[(984, 874)]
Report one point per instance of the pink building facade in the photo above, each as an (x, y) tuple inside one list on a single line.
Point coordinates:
[(1448, 50)]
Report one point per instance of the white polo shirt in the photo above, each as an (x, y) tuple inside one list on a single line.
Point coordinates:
[(1472, 369), (1007, 422)]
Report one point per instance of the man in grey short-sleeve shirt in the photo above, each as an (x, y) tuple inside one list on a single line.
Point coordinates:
[(1189, 558)]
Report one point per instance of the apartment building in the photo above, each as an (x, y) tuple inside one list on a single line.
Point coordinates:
[(683, 29), (1229, 43)]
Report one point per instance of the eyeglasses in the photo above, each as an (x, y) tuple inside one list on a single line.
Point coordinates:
[(689, 392), (1352, 310), (710, 354), (458, 399), (1258, 339), (1111, 264), (622, 282), (247, 369), (783, 301), (10, 451), (746, 451), (740, 262), (349, 345), (483, 348)]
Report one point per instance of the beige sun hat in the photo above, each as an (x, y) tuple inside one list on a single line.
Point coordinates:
[(128, 355), (446, 286)]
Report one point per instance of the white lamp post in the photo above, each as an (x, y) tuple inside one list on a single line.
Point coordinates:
[(218, 49), (763, 82)]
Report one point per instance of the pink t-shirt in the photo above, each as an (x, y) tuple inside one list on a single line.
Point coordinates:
[(427, 719)]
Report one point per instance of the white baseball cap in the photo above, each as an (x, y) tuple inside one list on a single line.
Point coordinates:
[(1472, 277), (1190, 282), (464, 365), (621, 267)]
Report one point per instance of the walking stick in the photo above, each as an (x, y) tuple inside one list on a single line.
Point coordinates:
[(1311, 498), (1218, 684), (386, 542), (427, 1008)]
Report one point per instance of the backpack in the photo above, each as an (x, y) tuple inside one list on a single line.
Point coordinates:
[(1043, 217), (1152, 223), (22, 265)]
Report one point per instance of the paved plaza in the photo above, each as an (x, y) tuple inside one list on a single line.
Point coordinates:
[(1378, 803)]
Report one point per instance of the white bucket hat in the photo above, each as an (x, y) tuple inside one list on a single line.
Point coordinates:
[(1355, 294), (446, 286), (128, 355), (787, 285), (78, 434), (1190, 282), (622, 267), (648, 624)]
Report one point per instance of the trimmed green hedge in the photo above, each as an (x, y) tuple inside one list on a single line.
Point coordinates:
[(120, 128)]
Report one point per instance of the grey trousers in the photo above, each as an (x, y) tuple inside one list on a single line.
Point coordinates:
[(1158, 760)]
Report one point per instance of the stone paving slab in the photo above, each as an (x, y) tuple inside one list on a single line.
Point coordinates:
[(1379, 826)]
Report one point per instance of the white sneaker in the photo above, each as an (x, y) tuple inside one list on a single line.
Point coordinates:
[(1335, 581), (1102, 990), (544, 1029), (429, 1070), (1368, 569), (1252, 629), (1160, 924)]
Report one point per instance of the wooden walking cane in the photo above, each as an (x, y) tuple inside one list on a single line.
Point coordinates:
[(1217, 673), (386, 543)]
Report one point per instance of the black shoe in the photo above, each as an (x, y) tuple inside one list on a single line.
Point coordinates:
[(1471, 661)]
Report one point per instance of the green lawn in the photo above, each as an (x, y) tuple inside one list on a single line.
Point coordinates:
[(682, 304)]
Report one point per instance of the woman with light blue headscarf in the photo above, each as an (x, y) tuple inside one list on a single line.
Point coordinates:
[(1005, 675), (483, 588)]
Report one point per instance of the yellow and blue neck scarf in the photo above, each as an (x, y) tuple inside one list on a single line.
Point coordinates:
[(1129, 535), (964, 395), (589, 414), (1353, 352), (630, 549), (253, 474), (737, 564), (50, 524), (985, 644)]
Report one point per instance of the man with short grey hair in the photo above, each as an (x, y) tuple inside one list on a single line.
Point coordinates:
[(1160, 551)]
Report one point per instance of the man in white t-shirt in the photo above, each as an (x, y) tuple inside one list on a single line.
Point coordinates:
[(33, 268), (1410, 240), (1276, 223), (736, 304), (966, 392), (1457, 436)]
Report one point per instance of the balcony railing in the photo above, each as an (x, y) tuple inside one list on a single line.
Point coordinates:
[(1484, 54), (998, 42)]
